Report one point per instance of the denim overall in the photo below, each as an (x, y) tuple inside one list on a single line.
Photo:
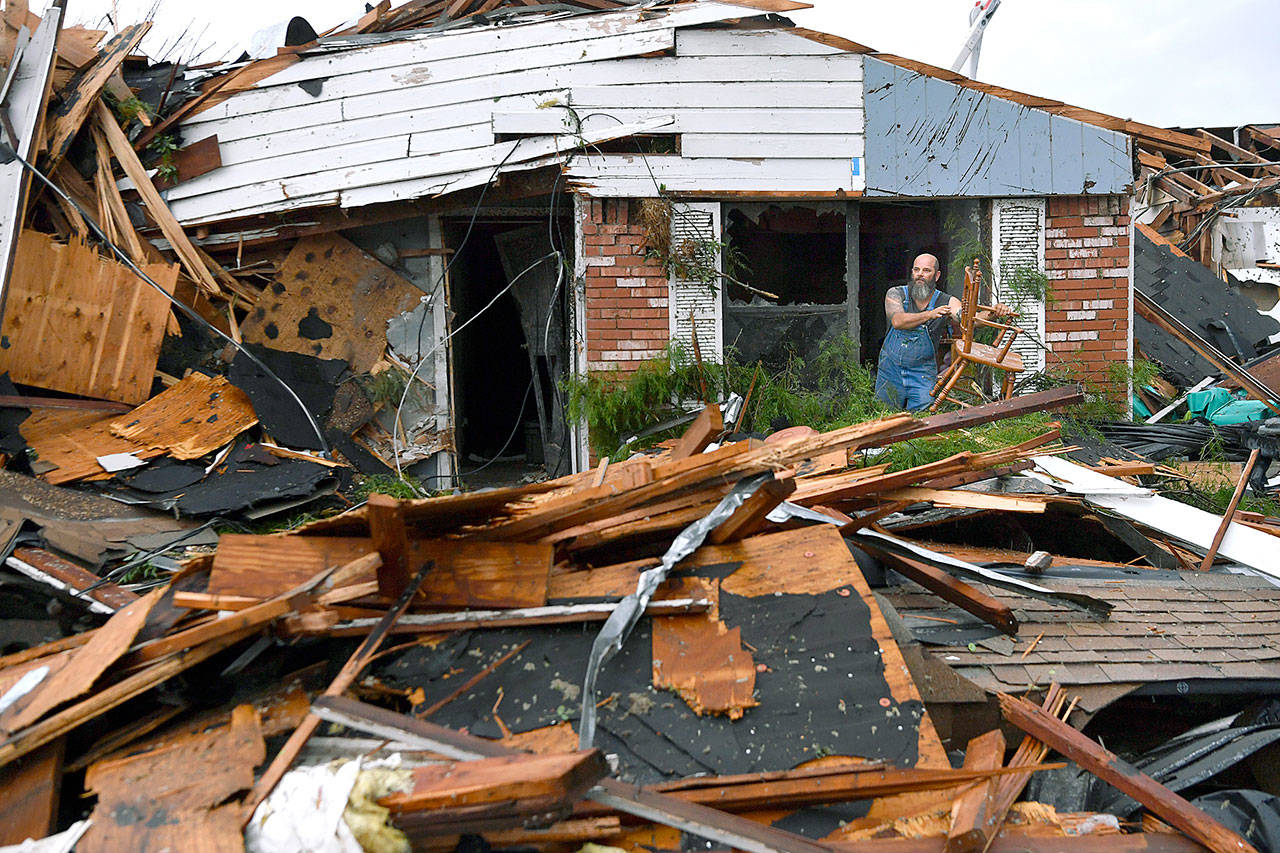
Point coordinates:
[(908, 367)]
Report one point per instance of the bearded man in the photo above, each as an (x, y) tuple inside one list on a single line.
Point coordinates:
[(919, 315)]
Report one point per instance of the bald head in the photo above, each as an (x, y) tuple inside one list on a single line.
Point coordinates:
[(925, 269)]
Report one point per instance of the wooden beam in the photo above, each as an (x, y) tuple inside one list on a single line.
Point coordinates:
[(47, 567), (391, 540), (990, 610), (704, 430), (1207, 563), (749, 518), (972, 813), (1156, 798), (29, 794), (1244, 154)]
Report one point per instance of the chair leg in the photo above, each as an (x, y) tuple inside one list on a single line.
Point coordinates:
[(1006, 386), (954, 376)]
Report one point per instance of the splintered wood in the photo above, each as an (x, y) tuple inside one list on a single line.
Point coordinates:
[(197, 416), (704, 661), (79, 322)]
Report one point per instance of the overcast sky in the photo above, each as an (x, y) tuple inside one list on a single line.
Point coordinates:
[(1164, 62)]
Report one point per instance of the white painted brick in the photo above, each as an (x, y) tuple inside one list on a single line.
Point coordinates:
[(1056, 274), (1055, 336), (599, 261), (1082, 336), (1098, 220), (1065, 244), (1055, 232), (632, 282), (658, 302), (1082, 273), (1098, 241), (1082, 253), (1116, 272), (1082, 315), (1099, 304), (614, 355), (1114, 231)]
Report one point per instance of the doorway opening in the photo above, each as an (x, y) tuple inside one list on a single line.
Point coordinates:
[(509, 287)]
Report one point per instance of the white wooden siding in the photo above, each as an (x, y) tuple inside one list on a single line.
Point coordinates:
[(697, 303), (1017, 226), (757, 111)]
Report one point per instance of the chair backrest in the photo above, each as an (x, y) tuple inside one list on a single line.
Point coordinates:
[(969, 304)]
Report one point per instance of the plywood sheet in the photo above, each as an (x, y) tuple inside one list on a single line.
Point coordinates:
[(330, 300), (152, 800), (78, 322), (466, 574), (197, 416)]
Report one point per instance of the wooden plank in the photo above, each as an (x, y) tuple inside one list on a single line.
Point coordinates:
[(972, 814), (990, 610), (1221, 532), (29, 794), (533, 783), (153, 800), (155, 205), (23, 401), (467, 573), (965, 499), (67, 444), (749, 518), (704, 430), (391, 541), (82, 323), (330, 300), (197, 416), (1158, 799), (77, 99), (192, 161), (71, 578), (85, 666)]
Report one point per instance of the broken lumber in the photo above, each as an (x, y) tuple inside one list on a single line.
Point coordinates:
[(704, 430), (1086, 752), (973, 812), (1230, 512), (990, 610)]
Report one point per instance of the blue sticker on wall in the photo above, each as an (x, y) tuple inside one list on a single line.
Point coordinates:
[(856, 165)]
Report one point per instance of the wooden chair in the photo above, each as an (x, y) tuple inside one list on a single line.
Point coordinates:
[(965, 351)]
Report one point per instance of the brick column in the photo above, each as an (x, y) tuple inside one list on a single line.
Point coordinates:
[(626, 293), (1087, 258)]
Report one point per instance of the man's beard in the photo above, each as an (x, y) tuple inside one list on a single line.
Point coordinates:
[(921, 290)]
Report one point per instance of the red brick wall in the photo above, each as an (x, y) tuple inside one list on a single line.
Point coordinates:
[(1087, 257), (626, 293)]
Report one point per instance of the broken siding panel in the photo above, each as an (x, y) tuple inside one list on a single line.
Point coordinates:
[(695, 306), (735, 96), (711, 119), (812, 145), (749, 43), (630, 175), (1018, 229), (928, 138)]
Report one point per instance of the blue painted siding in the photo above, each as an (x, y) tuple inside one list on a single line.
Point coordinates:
[(926, 138)]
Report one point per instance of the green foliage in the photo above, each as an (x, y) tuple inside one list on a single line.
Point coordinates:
[(830, 390), (143, 572), (130, 108), (384, 484), (163, 147), (1106, 394)]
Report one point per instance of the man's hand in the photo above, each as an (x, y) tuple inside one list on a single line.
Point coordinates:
[(1002, 310), (939, 312)]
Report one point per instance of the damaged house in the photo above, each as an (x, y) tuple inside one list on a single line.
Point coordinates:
[(388, 244), (635, 176)]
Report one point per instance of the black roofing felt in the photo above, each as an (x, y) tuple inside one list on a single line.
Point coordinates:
[(1202, 301), (823, 691)]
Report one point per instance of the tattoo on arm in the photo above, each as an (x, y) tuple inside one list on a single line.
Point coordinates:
[(892, 303)]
